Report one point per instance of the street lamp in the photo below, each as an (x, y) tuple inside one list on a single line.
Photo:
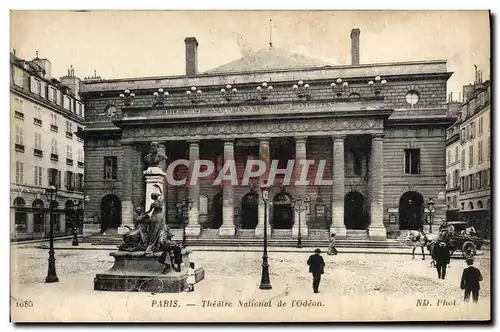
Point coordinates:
[(377, 85), (430, 206), (339, 87), (75, 233), (127, 97), (184, 206), (51, 193), (265, 283), (299, 207), (302, 90)]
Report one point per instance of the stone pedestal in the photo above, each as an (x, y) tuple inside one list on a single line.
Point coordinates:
[(303, 224), (138, 272)]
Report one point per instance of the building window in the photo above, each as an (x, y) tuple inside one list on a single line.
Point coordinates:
[(473, 129), (110, 168), (54, 177), (19, 172), (67, 102), (356, 163), (69, 180), (38, 174), (455, 202), (18, 76), (69, 152), (462, 184), (479, 152), (462, 161), (471, 155), (19, 105), (36, 85), (54, 146), (480, 129), (52, 94), (448, 158), (456, 153), (80, 181), (69, 129), (448, 181), (412, 98), (463, 206), (471, 182), (489, 148), (462, 136), (478, 180), (19, 135), (412, 161), (455, 178)]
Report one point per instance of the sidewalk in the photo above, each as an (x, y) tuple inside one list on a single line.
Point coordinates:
[(390, 251)]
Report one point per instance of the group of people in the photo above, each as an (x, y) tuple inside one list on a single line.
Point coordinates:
[(469, 282)]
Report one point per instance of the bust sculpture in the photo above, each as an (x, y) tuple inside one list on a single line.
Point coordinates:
[(154, 157)]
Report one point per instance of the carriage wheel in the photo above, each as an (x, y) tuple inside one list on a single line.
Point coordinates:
[(468, 250)]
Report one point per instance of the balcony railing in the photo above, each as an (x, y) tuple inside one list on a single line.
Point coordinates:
[(37, 122), (54, 128), (19, 147), (54, 157), (69, 134), (19, 115), (80, 164), (69, 162), (37, 152)]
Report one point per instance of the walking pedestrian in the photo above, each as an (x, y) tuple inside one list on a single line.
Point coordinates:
[(441, 255), (470, 281), (317, 268), (331, 248)]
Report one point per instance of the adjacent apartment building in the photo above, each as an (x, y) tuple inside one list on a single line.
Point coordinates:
[(45, 113), (475, 157)]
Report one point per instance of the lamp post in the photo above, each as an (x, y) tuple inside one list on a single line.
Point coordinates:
[(75, 233), (299, 207), (51, 193), (265, 283), (184, 206), (430, 206)]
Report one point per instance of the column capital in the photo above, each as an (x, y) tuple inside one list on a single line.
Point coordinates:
[(338, 137), (228, 140), (300, 139), (193, 141), (377, 137), (264, 140), (128, 144)]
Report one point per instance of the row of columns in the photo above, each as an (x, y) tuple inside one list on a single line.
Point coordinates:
[(376, 229)]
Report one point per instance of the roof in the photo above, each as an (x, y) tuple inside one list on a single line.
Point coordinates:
[(271, 58)]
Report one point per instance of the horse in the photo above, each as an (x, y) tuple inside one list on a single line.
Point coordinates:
[(420, 239)]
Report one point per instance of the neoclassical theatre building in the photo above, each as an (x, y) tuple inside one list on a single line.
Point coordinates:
[(375, 131)]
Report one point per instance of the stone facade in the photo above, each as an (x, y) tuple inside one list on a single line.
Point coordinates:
[(365, 136)]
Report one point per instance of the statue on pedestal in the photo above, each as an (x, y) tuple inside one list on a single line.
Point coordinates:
[(136, 238), (154, 157)]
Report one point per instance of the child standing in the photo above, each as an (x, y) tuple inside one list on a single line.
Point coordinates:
[(470, 281), (191, 279)]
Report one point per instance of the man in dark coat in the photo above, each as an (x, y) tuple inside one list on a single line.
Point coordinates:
[(441, 255), (470, 281), (317, 268)]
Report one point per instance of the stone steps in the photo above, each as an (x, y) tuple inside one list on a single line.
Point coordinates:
[(272, 242)]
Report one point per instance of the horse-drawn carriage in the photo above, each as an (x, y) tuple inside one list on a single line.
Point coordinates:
[(460, 237)]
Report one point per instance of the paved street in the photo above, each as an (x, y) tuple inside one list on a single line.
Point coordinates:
[(388, 285)]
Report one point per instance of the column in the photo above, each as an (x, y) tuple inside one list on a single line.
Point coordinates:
[(377, 228), (227, 227), (193, 227), (264, 151), (300, 154), (338, 190), (127, 188)]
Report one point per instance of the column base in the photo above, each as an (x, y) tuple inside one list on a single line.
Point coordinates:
[(340, 232), (304, 231), (227, 231), (193, 231), (377, 232), (259, 232)]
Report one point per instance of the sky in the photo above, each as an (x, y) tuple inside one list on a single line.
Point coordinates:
[(121, 44)]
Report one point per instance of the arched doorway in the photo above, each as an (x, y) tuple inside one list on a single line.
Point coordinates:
[(411, 211), (354, 211), (216, 212), (69, 216), (250, 210), (38, 216), (111, 212), (282, 211), (21, 217)]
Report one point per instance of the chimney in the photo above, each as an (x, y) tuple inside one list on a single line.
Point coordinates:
[(191, 55), (355, 46)]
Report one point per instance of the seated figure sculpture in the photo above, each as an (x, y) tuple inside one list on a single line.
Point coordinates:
[(136, 238)]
